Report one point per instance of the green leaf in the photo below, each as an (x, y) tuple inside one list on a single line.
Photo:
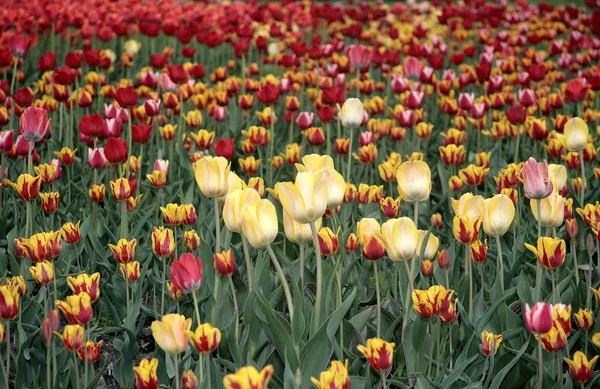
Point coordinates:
[(499, 378)]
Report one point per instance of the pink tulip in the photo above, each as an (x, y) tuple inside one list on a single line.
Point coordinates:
[(6, 140), (96, 159), (527, 97), (35, 124), (152, 107), (399, 84), (360, 56), (478, 110), (57, 169), (305, 120), (161, 165), (414, 99), (535, 179), (366, 138), (113, 128), (538, 319), (466, 100)]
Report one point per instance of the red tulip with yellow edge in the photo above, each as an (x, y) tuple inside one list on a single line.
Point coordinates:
[(580, 368), (387, 171), (124, 250), (584, 319), (158, 178), (27, 186), (248, 377), (453, 155), (367, 153), (379, 354), (86, 283), (550, 252), (428, 303), (47, 172), (50, 201), (42, 272), (72, 336), (192, 240), (555, 339), (173, 214), (170, 333), (336, 377), (9, 302), (561, 316), (328, 241), (448, 313), (130, 271), (70, 232), (174, 293), (466, 230), (43, 246), (193, 119), (225, 263), (66, 155), (145, 374), (77, 308), (249, 165), (351, 243), (168, 131), (389, 206), (490, 343), (97, 193), (258, 136), (455, 184), (189, 380), (133, 202), (163, 242), (203, 138), (90, 352), (479, 251), (18, 283), (205, 338), (121, 189), (473, 175)]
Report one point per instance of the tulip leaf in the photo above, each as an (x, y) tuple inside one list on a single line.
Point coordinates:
[(524, 289), (499, 378), (458, 371), (483, 321)]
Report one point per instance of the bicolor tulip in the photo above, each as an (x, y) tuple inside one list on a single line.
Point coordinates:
[(550, 252), (163, 242), (124, 250), (186, 273), (379, 353), (170, 333), (538, 319), (27, 186), (400, 237), (225, 263), (130, 271), (72, 336), (414, 181), (535, 179), (77, 308), (248, 377), (205, 338), (145, 374), (580, 368), (9, 302), (490, 343), (584, 319), (86, 283), (42, 272), (90, 352), (336, 377)]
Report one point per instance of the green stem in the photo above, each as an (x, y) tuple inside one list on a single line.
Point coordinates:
[(383, 379), (538, 273), (582, 194), (409, 289), (48, 367), (349, 158), (416, 213), (378, 297), (248, 263), (177, 371), (7, 354), (235, 307), (196, 307), (217, 289), (301, 260), (437, 358), (339, 301), (14, 77), (76, 370), (315, 237), (468, 264), (500, 263), (540, 364), (162, 298), (284, 284), (576, 267), (516, 157)]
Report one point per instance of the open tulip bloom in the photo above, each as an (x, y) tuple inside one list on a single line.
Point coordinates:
[(255, 184)]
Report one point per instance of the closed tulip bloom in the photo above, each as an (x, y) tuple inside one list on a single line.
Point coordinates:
[(124, 250), (538, 319), (130, 271), (145, 374), (580, 369), (70, 232), (444, 259), (9, 302), (90, 352), (77, 308), (328, 241), (97, 193), (555, 339), (211, 175), (373, 247), (431, 247), (121, 189), (259, 223), (497, 214), (248, 377), (163, 242), (27, 186), (414, 181), (315, 164), (535, 179), (203, 138), (584, 319), (389, 206), (173, 214), (34, 124), (427, 303), (336, 377), (189, 380), (550, 252), (561, 314), (50, 201), (42, 272), (479, 251), (352, 243), (42, 246), (305, 200), (174, 293), (466, 230), (192, 240), (170, 333), (158, 178), (186, 273), (72, 337), (558, 175), (235, 204), (352, 113), (205, 339), (86, 283), (490, 343), (400, 237), (367, 227), (575, 134), (379, 353), (225, 263), (552, 211)]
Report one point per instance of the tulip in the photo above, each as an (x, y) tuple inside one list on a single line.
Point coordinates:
[(555, 339), (124, 250), (444, 259), (552, 210), (328, 241), (538, 319), (336, 377), (170, 333), (42, 246), (72, 336), (42, 272), (389, 206), (479, 253), (189, 380), (414, 181), (35, 124), (50, 201), (466, 230), (186, 273), (86, 283), (130, 271), (211, 175), (535, 179), (259, 223), (27, 186), (428, 303), (400, 237), (575, 134), (70, 232), (352, 113), (490, 342), (77, 308), (352, 243), (121, 189), (90, 352), (163, 242), (306, 199), (379, 354), (248, 377), (145, 374), (205, 339), (584, 319), (550, 252), (580, 369), (224, 148), (9, 302)]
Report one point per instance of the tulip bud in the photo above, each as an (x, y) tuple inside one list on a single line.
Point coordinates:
[(328, 241), (351, 244), (426, 268), (46, 331), (352, 113), (444, 259), (584, 319), (225, 263), (189, 380), (192, 240), (379, 354), (145, 374), (580, 369), (490, 343), (538, 319), (205, 339), (186, 273)]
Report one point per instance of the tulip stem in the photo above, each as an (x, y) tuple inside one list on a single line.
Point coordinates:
[(540, 364), (576, 267), (235, 307), (162, 298), (516, 157), (196, 308), (76, 369), (48, 365), (538, 272), (176, 371), (383, 379), (248, 263), (14, 77), (208, 371), (409, 290), (217, 285), (468, 264), (349, 160), (315, 236), (450, 343), (582, 193), (284, 284), (301, 255), (500, 263), (378, 298), (416, 213), (7, 354), (554, 287)]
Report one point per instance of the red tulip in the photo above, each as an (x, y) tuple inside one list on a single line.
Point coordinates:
[(47, 61), (186, 273), (115, 150), (268, 94), (577, 89), (19, 45), (127, 97), (96, 159), (538, 319), (177, 74), (141, 133), (92, 125), (305, 120), (360, 56), (326, 114), (35, 124), (225, 148), (516, 114)]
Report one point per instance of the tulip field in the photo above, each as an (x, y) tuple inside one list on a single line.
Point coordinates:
[(299, 194)]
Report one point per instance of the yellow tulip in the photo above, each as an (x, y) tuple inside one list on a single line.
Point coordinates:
[(297, 232), (552, 211), (575, 134), (352, 113), (497, 214), (558, 175), (315, 163), (305, 200), (400, 238), (234, 182), (414, 181), (235, 204), (468, 205), (212, 175), (432, 244), (367, 227), (170, 333), (248, 378), (259, 223)]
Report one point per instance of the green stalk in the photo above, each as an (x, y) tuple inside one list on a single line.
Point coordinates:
[(235, 307), (540, 364), (468, 264), (582, 194), (538, 273), (500, 263), (284, 284), (378, 297), (76, 370), (301, 255), (313, 228), (248, 263), (176, 371), (349, 161), (162, 298), (7, 354), (217, 289)]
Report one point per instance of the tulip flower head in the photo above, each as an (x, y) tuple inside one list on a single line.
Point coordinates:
[(211, 175), (497, 214), (336, 377), (414, 181), (170, 333), (205, 339), (186, 273), (575, 134), (538, 319), (72, 337), (145, 374), (490, 343), (34, 124), (580, 368), (550, 252), (535, 179), (9, 302), (306, 199), (259, 223), (352, 113), (400, 237), (248, 377), (379, 354)]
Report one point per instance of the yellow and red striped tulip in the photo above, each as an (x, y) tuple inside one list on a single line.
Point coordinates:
[(490, 342), (163, 242), (27, 186), (72, 336), (192, 240), (124, 250), (205, 338), (70, 232), (77, 308), (86, 283), (584, 318), (130, 271), (248, 377), (336, 377), (550, 252), (145, 374), (173, 214), (97, 193), (90, 352), (42, 272), (9, 302), (379, 353), (121, 189), (580, 368), (225, 263), (466, 230)]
